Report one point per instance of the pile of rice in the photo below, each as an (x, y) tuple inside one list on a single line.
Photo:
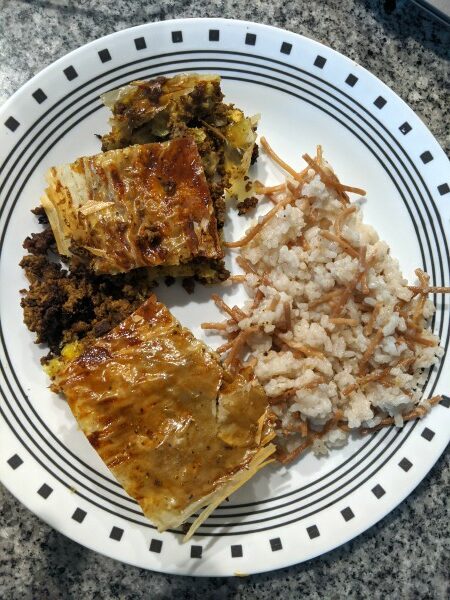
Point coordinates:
[(335, 335)]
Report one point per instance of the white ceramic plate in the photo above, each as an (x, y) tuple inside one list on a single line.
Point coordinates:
[(306, 94)]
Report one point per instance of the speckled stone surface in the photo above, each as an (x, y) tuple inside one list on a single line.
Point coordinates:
[(406, 555)]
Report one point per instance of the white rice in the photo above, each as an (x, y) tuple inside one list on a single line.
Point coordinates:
[(298, 277)]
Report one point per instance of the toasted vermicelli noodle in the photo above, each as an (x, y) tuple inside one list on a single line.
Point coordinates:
[(338, 338)]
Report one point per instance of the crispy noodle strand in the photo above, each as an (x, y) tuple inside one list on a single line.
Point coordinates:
[(306, 350), (371, 322), (417, 413), (325, 298), (340, 219), (236, 278), (218, 326), (238, 343), (245, 265), (374, 342), (257, 228), (343, 321), (222, 305), (330, 179), (265, 190), (292, 172), (343, 243)]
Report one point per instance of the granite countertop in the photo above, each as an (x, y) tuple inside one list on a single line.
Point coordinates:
[(407, 554)]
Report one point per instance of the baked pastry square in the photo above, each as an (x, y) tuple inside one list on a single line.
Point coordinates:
[(145, 205), (177, 431)]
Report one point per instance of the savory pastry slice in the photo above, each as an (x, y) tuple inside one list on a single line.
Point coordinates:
[(142, 206), (166, 108), (177, 431)]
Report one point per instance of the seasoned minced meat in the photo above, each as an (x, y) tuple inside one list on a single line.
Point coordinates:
[(246, 205), (40, 213), (40, 243), (62, 306), (255, 154), (188, 284)]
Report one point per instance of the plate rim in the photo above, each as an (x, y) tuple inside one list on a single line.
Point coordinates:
[(263, 26)]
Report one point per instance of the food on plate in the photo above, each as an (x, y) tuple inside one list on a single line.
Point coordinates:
[(188, 104), (177, 430), (338, 339), (95, 264), (142, 206), (64, 306), (335, 340)]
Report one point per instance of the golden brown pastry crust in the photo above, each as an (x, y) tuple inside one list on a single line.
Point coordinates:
[(173, 427), (142, 206)]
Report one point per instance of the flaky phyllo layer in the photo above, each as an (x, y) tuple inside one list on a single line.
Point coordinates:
[(151, 207), (167, 108), (156, 196), (177, 430), (143, 206)]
